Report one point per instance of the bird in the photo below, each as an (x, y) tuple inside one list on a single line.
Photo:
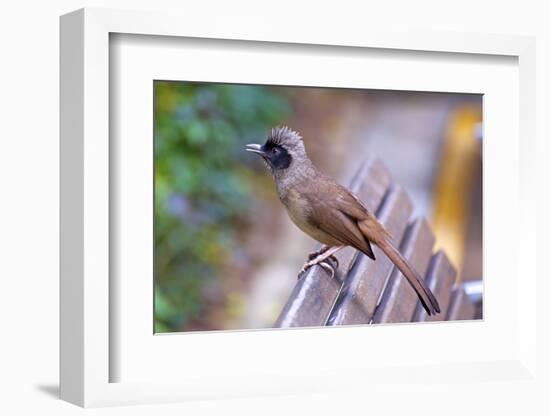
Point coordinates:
[(329, 212)]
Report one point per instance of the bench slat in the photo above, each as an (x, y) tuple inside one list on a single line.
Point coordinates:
[(440, 279), (314, 294), (399, 299), (363, 285), (460, 308)]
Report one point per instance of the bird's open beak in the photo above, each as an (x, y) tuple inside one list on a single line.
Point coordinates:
[(255, 148)]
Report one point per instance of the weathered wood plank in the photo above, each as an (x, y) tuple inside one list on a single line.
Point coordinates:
[(314, 294), (398, 301), (460, 308), (363, 285), (440, 279)]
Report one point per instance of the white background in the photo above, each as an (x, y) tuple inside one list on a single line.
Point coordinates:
[(29, 209)]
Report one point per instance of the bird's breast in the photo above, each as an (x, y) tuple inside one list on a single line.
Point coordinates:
[(297, 206)]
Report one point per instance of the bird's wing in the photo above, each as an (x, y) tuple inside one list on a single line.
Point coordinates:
[(351, 205), (337, 213)]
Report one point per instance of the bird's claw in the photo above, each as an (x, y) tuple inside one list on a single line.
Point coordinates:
[(335, 260), (326, 265)]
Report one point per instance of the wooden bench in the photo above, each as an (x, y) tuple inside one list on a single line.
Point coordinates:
[(365, 291)]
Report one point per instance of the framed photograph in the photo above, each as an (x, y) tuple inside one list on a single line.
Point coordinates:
[(279, 213)]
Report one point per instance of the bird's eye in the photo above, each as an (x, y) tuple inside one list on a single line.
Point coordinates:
[(276, 150)]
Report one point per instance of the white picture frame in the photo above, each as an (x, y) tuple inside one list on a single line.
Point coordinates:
[(87, 355)]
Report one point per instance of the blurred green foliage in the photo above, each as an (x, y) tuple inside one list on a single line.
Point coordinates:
[(203, 186)]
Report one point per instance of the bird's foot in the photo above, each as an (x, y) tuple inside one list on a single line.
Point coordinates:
[(322, 259), (317, 253), (329, 266)]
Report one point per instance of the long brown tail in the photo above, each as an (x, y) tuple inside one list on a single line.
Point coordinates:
[(425, 295)]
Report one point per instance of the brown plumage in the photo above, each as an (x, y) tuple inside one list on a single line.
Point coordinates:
[(327, 211)]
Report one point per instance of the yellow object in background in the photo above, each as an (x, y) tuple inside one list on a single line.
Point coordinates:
[(454, 183)]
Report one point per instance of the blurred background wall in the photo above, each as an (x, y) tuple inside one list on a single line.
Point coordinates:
[(226, 255)]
